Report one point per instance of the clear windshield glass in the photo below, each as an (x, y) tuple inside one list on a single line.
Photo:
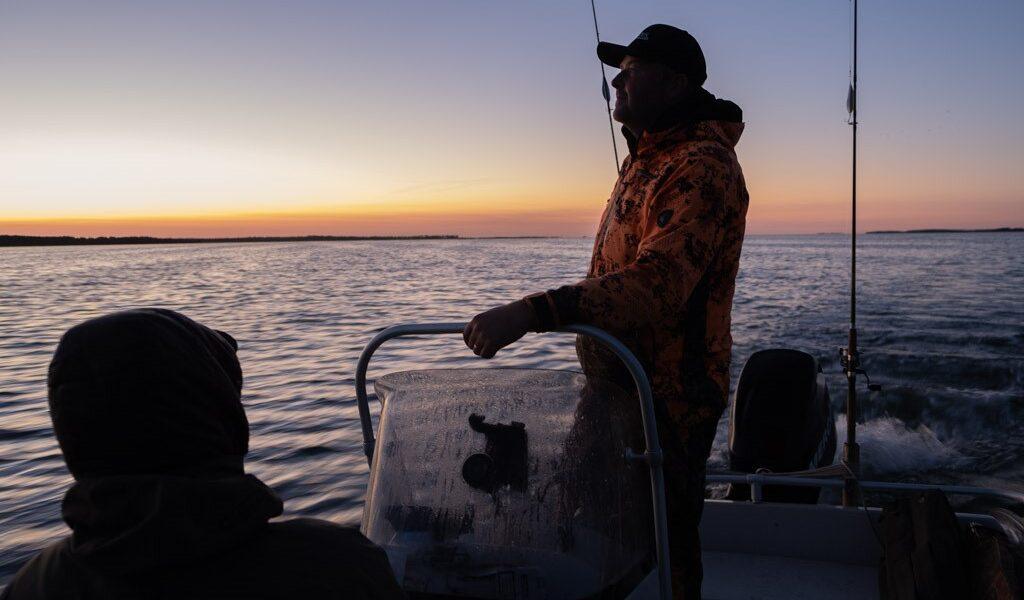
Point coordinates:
[(509, 483)]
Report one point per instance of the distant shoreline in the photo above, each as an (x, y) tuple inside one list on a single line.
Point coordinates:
[(995, 230), (67, 240)]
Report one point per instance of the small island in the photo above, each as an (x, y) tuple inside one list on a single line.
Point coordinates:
[(995, 230), (67, 240)]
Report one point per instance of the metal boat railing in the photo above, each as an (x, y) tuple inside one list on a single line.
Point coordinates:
[(757, 481)]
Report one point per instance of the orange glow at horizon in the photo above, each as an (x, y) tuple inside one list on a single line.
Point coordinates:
[(394, 222), (527, 212)]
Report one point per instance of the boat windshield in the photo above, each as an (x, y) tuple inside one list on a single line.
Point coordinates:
[(509, 483)]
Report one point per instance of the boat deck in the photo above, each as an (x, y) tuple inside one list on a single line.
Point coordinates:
[(794, 551)]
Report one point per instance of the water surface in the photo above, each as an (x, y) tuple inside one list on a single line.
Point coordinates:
[(940, 317)]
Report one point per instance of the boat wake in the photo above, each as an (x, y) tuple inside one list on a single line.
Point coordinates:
[(889, 446)]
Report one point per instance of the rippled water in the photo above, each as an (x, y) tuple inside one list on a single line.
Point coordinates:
[(941, 320)]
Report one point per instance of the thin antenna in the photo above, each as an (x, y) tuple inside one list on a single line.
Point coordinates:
[(606, 92), (848, 356)]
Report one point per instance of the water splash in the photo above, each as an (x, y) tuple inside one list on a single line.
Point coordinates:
[(889, 447)]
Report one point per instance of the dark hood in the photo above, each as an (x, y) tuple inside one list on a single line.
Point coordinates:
[(706, 107), (147, 391), (702, 107), (146, 405)]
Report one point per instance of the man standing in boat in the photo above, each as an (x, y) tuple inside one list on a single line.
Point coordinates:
[(664, 266)]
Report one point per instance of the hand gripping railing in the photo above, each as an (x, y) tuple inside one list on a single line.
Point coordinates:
[(652, 455)]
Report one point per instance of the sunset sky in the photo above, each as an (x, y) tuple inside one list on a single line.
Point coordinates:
[(483, 117)]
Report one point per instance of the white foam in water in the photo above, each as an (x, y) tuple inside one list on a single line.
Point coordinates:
[(887, 445)]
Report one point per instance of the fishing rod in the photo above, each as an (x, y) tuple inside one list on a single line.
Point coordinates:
[(849, 357), (606, 92)]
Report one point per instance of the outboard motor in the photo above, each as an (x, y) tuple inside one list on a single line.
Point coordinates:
[(509, 483), (781, 421)]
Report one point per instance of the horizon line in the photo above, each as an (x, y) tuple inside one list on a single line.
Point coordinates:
[(14, 240)]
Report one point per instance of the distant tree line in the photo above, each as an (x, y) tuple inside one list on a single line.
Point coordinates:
[(996, 230), (67, 240)]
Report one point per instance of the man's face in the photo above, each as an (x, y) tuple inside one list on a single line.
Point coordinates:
[(643, 91)]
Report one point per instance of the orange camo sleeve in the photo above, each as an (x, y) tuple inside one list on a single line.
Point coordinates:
[(686, 217)]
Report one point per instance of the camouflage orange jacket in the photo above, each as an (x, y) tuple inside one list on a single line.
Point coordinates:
[(664, 267)]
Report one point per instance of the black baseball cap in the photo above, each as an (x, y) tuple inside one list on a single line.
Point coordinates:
[(663, 44)]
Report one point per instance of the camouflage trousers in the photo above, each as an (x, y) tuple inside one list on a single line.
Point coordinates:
[(685, 472)]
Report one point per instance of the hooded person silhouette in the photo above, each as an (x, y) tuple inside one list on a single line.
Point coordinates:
[(146, 406)]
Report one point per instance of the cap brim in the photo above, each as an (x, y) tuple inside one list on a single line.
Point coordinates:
[(611, 54)]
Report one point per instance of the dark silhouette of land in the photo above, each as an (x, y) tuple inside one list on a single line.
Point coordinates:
[(66, 240), (996, 230)]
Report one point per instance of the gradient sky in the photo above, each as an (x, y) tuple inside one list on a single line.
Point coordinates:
[(484, 117)]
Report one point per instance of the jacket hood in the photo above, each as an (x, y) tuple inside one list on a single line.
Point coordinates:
[(134, 524), (146, 392), (717, 119), (726, 133), (703, 117)]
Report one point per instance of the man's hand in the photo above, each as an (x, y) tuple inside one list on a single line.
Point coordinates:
[(494, 329)]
